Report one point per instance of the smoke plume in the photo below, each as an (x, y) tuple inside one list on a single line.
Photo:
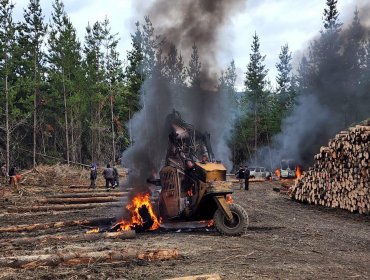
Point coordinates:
[(196, 21), (337, 94), (183, 23)]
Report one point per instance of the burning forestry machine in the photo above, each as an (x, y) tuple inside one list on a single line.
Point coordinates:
[(193, 184)]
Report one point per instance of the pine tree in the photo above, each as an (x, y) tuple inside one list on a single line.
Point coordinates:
[(150, 44), (93, 65), (195, 67), (303, 75), (284, 80), (113, 74), (134, 74), (64, 61), (284, 68), (354, 61), (331, 15), (227, 88), (227, 82), (255, 83), (7, 45), (329, 43), (33, 31), (174, 70)]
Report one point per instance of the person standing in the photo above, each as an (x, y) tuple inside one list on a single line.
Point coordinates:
[(247, 173), (108, 174), (13, 176), (241, 175), (3, 170), (93, 176), (115, 176)]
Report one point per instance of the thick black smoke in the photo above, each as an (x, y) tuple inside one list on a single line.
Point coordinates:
[(183, 23), (149, 133), (337, 94)]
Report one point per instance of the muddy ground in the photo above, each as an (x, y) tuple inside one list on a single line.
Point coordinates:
[(285, 240)]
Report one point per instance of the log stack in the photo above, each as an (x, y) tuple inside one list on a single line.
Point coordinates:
[(340, 176)]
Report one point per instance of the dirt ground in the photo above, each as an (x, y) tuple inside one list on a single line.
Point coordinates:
[(285, 240)]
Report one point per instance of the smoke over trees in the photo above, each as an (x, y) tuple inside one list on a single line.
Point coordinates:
[(85, 95), (333, 87), (191, 32)]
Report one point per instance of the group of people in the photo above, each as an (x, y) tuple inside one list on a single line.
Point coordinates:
[(243, 176), (110, 174)]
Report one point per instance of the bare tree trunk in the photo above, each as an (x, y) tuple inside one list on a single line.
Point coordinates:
[(113, 134), (73, 144), (268, 143), (129, 124), (43, 142), (255, 136), (35, 114), (7, 131), (78, 138), (99, 135), (92, 134), (66, 117)]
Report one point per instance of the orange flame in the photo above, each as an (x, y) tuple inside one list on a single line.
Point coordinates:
[(136, 204), (229, 199), (211, 223), (94, 230), (298, 172), (189, 192), (277, 172)]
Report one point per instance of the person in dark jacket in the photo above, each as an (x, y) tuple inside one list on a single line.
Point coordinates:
[(115, 176), (247, 173), (241, 175), (108, 174), (12, 176), (93, 176), (3, 170)]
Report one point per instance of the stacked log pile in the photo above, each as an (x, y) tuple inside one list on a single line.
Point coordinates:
[(340, 176)]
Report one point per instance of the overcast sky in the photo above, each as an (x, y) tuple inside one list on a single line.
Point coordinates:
[(277, 22)]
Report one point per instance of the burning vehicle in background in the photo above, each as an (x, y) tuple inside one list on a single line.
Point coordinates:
[(289, 169), (193, 184)]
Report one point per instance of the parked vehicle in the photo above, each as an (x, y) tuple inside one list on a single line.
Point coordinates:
[(259, 172)]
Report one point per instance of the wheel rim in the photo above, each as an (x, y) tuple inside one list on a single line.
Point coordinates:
[(234, 223)]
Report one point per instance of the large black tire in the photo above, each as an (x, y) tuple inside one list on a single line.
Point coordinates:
[(237, 227)]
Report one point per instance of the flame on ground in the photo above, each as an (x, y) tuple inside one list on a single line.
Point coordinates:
[(298, 172), (139, 202), (277, 172), (94, 230)]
